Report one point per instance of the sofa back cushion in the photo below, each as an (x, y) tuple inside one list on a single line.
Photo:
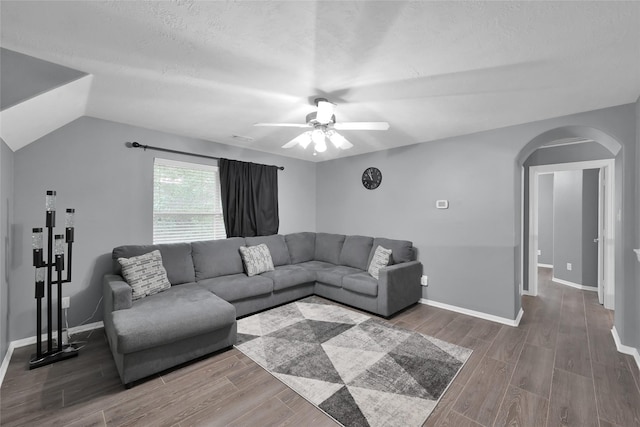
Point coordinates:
[(277, 247), (176, 259), (401, 250), (214, 258), (329, 247), (355, 251), (302, 246)]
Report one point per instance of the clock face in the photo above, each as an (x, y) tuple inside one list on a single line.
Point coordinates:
[(371, 178)]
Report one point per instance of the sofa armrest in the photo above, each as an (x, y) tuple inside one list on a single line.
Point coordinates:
[(399, 287), (116, 292)]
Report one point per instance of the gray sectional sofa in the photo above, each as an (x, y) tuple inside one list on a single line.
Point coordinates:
[(209, 290)]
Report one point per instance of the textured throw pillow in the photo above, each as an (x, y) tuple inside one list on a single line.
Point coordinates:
[(256, 259), (145, 274), (380, 259)]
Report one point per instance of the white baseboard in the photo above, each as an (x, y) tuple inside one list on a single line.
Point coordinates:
[(478, 314), (631, 351), (5, 362), (527, 292), (32, 340), (575, 285), (545, 265), (87, 327)]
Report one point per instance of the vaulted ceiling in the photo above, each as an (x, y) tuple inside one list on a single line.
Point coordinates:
[(431, 69)]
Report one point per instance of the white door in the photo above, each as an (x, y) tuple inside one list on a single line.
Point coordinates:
[(600, 238)]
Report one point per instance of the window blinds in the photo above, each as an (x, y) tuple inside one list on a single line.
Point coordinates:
[(186, 202)]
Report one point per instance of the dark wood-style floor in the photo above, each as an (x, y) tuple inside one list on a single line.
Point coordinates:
[(558, 368)]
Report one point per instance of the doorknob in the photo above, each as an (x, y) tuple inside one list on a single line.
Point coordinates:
[(596, 240)]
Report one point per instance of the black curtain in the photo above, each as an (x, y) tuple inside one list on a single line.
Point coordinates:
[(249, 198)]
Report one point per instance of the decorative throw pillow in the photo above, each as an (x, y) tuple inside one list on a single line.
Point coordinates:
[(257, 259), (380, 259), (145, 274)]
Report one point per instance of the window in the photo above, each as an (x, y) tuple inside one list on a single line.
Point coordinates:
[(186, 202)]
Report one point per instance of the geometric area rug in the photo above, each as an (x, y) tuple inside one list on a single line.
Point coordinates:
[(360, 370)]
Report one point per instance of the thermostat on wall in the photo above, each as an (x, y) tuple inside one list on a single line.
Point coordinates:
[(442, 204)]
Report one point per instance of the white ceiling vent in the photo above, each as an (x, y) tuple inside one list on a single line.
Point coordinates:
[(242, 138)]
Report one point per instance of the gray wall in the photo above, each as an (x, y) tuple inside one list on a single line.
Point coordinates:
[(568, 223), (615, 128), (590, 182), (545, 219), (471, 251), (568, 220), (636, 343), (468, 249), (110, 186), (6, 219), (627, 315), (23, 77)]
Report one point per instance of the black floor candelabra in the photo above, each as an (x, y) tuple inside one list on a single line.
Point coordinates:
[(45, 282)]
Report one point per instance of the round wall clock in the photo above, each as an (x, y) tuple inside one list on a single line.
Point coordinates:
[(371, 178)]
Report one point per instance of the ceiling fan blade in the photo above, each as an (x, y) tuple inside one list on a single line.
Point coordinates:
[(338, 140), (303, 139), (286, 125), (362, 126), (291, 143), (346, 145), (325, 111)]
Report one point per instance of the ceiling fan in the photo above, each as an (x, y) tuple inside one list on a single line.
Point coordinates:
[(323, 125)]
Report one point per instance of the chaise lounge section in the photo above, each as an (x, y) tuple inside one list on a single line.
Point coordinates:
[(210, 289)]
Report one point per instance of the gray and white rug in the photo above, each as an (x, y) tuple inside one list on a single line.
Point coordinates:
[(360, 370)]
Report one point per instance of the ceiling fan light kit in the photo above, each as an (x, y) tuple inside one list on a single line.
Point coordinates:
[(323, 122)]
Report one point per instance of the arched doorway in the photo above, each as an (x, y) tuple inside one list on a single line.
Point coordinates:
[(576, 158)]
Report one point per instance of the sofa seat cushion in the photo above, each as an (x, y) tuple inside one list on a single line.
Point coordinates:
[(315, 265), (333, 276), (238, 286), (361, 283), (180, 312), (288, 276)]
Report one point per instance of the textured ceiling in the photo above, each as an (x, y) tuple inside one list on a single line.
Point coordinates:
[(431, 69)]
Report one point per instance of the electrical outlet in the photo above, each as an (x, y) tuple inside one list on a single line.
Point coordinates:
[(424, 281), (569, 266), (539, 252), (66, 302)]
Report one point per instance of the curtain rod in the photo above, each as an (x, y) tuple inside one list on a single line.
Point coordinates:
[(167, 150)]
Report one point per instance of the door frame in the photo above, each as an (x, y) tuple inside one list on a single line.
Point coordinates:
[(606, 242)]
